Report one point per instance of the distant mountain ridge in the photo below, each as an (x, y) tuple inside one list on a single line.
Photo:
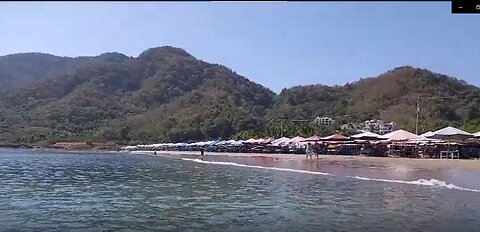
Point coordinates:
[(390, 96), (166, 94), (21, 69)]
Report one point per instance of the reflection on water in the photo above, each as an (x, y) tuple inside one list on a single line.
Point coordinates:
[(92, 192)]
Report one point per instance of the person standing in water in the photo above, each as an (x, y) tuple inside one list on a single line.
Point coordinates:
[(316, 149), (308, 150)]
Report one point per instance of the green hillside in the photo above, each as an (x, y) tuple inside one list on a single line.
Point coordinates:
[(166, 94), (391, 96)]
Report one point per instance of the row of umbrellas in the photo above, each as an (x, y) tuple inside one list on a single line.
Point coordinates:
[(448, 133)]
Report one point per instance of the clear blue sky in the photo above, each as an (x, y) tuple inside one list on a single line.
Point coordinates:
[(277, 44)]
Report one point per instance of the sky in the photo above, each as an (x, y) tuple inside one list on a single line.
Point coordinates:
[(276, 44)]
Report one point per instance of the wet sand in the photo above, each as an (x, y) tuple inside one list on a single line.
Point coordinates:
[(435, 164)]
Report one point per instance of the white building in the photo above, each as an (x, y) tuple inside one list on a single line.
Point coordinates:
[(324, 121), (378, 126)]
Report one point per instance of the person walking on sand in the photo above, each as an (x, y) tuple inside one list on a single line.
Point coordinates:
[(202, 153)]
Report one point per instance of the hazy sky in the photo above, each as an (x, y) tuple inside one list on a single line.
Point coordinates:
[(277, 44)]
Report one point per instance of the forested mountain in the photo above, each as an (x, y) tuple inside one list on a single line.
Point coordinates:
[(166, 94), (29, 68), (391, 96)]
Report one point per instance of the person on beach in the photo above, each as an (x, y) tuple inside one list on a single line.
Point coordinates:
[(316, 150), (309, 150), (202, 153), (155, 153)]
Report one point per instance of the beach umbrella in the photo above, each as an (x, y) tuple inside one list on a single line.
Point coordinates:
[(427, 134), (367, 136), (204, 143), (236, 143), (220, 143), (296, 139), (400, 135), (280, 141), (267, 140), (213, 142), (335, 137), (451, 133), (313, 138), (254, 141)]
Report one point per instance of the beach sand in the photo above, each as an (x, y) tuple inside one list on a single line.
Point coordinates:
[(343, 160)]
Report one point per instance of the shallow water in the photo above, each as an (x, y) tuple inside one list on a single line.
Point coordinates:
[(45, 191)]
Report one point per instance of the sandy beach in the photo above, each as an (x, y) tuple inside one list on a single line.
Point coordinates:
[(344, 160)]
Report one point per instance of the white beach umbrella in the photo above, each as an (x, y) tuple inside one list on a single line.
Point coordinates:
[(237, 143), (366, 135), (451, 133), (221, 143), (400, 135), (296, 141), (427, 134), (280, 141)]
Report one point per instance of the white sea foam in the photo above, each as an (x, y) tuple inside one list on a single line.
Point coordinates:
[(259, 167), (431, 182), (423, 182)]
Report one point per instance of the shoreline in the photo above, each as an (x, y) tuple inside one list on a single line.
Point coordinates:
[(473, 165)]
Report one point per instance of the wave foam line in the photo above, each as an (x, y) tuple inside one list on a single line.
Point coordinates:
[(259, 167), (424, 182)]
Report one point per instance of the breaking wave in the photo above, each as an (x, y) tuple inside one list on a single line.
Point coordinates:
[(422, 182), (259, 167)]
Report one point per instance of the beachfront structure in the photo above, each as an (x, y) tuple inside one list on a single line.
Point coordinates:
[(477, 135), (378, 126), (398, 143), (324, 121)]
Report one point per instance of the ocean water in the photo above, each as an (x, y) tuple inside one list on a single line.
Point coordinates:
[(53, 191)]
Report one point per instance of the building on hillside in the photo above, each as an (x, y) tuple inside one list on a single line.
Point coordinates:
[(378, 126), (324, 121)]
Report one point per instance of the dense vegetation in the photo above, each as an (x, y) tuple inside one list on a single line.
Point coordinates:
[(166, 94), (392, 96)]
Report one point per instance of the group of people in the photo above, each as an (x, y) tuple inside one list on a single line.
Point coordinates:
[(313, 149)]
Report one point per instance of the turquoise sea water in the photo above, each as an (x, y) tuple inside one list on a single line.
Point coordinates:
[(53, 191)]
